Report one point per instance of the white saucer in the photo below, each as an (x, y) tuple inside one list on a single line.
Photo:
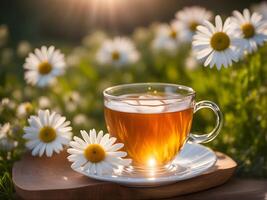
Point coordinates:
[(193, 160)]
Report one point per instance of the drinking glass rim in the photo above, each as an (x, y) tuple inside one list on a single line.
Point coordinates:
[(190, 90)]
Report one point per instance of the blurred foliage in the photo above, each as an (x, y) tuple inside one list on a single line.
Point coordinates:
[(240, 91)]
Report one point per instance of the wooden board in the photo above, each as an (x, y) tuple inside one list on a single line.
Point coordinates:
[(52, 178), (245, 189)]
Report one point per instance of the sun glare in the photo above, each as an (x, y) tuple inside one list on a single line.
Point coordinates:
[(151, 162)]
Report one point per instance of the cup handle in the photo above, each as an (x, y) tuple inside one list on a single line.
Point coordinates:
[(196, 138)]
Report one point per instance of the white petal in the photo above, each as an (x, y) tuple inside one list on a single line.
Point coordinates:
[(107, 168), (49, 150), (36, 149), (115, 147), (30, 136), (33, 143), (218, 23), (117, 154), (99, 168), (76, 145), (93, 169), (78, 163), (87, 166), (80, 141), (86, 137), (74, 151), (111, 141), (99, 136), (42, 149), (93, 136), (208, 60), (104, 139)]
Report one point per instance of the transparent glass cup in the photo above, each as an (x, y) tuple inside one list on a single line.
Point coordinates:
[(153, 121)]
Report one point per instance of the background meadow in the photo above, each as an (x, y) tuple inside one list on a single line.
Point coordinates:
[(240, 90)]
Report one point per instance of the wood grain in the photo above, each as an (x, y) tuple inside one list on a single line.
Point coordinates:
[(52, 178), (245, 189)]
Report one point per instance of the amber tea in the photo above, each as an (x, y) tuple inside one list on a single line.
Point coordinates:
[(153, 121), (152, 131)]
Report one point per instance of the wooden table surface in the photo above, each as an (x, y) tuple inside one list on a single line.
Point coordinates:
[(32, 178), (236, 189)]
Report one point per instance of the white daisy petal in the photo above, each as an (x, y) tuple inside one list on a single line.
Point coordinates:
[(190, 18), (76, 145), (213, 53), (93, 160), (118, 154), (78, 163), (93, 136), (87, 166), (99, 136), (115, 147), (218, 23), (42, 150), (104, 139), (111, 141), (117, 52), (93, 168), (99, 168), (36, 149), (80, 141), (106, 167), (49, 150), (43, 136), (74, 157), (248, 28), (86, 137), (31, 144), (41, 65), (74, 151), (30, 136)]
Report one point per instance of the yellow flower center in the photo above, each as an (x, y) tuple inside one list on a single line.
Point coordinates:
[(28, 107), (173, 34), (115, 55), (248, 30), (193, 26), (94, 153), (47, 134), (220, 41), (44, 68)]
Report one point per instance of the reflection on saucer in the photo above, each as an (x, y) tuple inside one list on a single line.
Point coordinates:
[(193, 160)]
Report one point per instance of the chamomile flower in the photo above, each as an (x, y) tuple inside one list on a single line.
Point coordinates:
[(118, 52), (4, 129), (4, 32), (47, 133), (80, 120), (44, 102), (251, 28), (24, 109), (168, 37), (23, 49), (190, 18), (6, 144), (216, 44), (43, 66), (7, 103), (96, 153), (73, 100)]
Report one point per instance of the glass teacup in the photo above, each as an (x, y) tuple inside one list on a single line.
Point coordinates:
[(153, 120)]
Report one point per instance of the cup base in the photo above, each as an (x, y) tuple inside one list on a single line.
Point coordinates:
[(154, 172)]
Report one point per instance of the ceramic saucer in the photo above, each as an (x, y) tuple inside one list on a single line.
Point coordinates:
[(193, 160)]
